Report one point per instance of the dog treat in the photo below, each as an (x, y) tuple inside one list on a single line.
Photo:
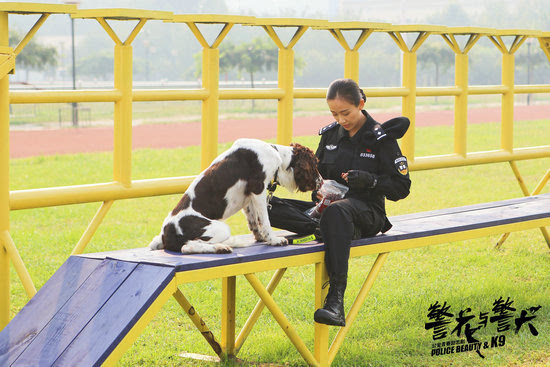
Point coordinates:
[(331, 191)]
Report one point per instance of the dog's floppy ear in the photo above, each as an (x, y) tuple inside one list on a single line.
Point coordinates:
[(304, 163)]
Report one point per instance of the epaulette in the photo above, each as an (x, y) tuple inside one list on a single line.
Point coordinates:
[(379, 132), (327, 128)]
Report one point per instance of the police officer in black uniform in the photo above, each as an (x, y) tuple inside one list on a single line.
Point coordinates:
[(356, 151)]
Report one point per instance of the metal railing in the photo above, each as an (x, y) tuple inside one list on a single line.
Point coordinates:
[(122, 95)]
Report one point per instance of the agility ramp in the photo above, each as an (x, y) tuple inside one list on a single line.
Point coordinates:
[(82, 313), (96, 305)]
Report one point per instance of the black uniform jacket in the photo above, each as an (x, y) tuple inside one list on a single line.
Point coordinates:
[(374, 149)]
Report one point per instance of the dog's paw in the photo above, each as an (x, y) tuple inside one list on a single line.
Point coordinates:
[(156, 243), (278, 241), (223, 249)]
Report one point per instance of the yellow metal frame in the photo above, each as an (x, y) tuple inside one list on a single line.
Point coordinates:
[(122, 95)]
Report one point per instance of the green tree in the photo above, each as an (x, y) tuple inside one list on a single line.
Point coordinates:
[(255, 56), (98, 65), (440, 56), (34, 56)]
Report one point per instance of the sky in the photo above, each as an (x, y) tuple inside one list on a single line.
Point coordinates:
[(393, 11)]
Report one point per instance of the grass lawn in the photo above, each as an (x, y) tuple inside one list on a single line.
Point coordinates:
[(390, 328)]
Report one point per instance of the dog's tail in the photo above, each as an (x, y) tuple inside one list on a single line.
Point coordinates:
[(240, 241)]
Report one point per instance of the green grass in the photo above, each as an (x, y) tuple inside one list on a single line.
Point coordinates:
[(389, 330)]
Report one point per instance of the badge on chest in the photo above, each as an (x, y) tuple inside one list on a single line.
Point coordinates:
[(367, 153)]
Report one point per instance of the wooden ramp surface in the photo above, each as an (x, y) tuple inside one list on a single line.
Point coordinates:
[(81, 314)]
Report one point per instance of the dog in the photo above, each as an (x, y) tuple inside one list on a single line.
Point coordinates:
[(237, 179)]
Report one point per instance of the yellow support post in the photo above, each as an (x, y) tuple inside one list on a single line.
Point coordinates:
[(321, 330), (408, 107), (210, 105), (123, 66), (507, 72), (4, 179), (461, 82), (210, 76), (507, 110), (351, 68), (409, 77), (285, 104), (122, 153), (229, 288), (461, 104), (6, 242)]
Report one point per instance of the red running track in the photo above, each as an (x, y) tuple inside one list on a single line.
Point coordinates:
[(28, 143)]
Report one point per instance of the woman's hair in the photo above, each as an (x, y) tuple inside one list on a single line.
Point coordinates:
[(346, 89)]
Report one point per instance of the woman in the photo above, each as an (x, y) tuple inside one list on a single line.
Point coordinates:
[(358, 152), (353, 150)]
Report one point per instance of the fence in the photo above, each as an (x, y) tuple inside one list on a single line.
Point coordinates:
[(122, 95)]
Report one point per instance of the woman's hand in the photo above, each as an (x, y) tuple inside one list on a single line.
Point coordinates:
[(357, 179)]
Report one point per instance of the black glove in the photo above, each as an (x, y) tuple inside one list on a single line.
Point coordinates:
[(361, 180)]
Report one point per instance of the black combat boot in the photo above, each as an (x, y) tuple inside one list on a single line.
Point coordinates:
[(332, 312)]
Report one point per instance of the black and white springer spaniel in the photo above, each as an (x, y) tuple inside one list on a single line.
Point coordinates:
[(237, 179)]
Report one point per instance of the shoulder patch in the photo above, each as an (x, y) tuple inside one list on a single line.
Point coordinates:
[(401, 165), (328, 127)]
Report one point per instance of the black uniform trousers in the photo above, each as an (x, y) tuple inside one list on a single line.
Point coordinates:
[(341, 222)]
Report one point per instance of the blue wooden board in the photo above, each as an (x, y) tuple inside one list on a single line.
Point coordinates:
[(405, 227), (116, 317), (38, 312), (73, 316)]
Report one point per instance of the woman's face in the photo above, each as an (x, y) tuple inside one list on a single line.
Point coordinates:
[(347, 114)]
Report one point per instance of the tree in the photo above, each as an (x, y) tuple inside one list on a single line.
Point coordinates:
[(34, 55), (439, 56), (98, 65), (252, 57)]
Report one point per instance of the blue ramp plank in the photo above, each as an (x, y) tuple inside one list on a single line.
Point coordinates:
[(67, 323), (115, 319), (38, 312)]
